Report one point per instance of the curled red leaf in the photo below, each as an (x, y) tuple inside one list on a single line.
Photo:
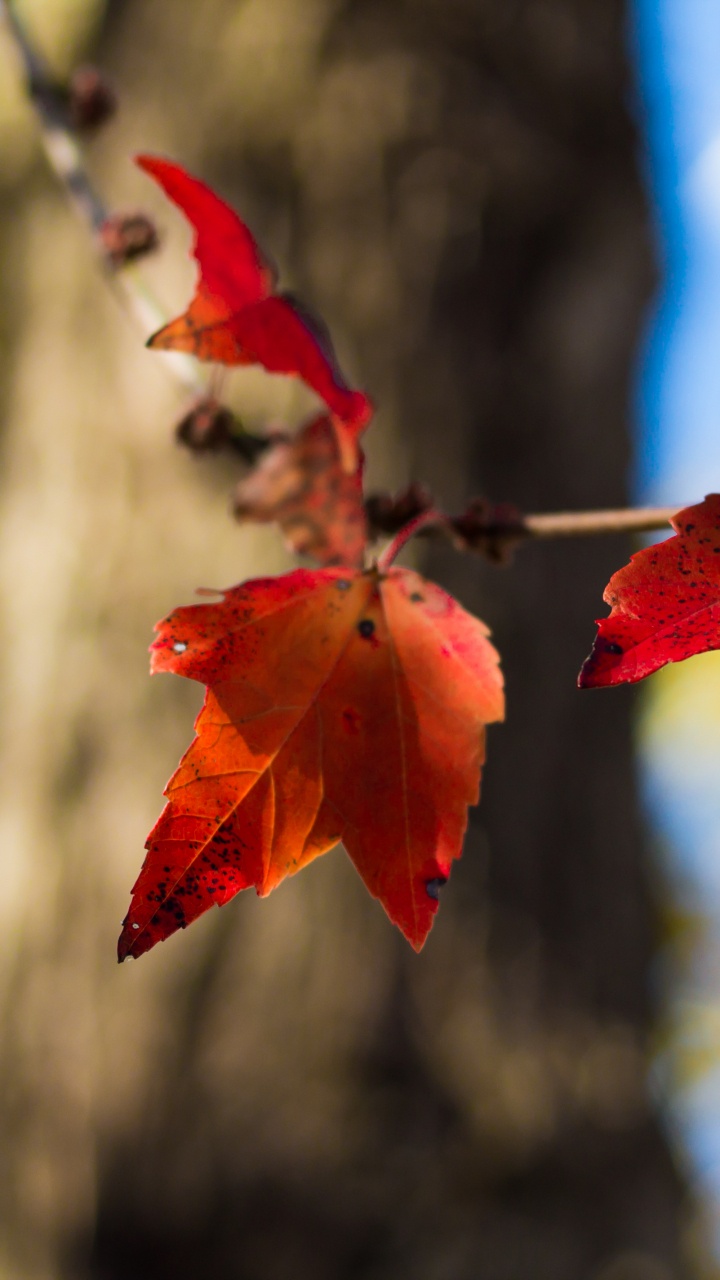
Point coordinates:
[(236, 315)]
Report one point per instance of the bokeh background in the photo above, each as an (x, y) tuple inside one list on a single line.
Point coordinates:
[(677, 49), (459, 188)]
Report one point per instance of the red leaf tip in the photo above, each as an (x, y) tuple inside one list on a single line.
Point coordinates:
[(665, 603)]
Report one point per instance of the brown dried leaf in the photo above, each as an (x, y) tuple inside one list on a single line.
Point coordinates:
[(300, 483)]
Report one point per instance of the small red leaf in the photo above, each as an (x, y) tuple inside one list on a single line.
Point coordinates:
[(665, 603), (341, 705)]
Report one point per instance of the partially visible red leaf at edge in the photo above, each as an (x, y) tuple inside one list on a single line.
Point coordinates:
[(236, 317), (300, 483), (665, 603), (341, 705)]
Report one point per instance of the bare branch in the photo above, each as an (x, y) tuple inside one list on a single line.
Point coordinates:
[(64, 155), (573, 524)]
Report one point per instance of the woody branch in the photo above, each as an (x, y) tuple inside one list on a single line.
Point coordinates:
[(61, 111)]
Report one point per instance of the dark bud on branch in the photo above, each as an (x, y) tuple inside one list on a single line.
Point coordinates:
[(492, 528), (124, 237), (206, 428), (82, 104), (389, 513), (91, 100), (209, 427)]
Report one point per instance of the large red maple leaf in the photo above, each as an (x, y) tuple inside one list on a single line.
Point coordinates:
[(341, 705)]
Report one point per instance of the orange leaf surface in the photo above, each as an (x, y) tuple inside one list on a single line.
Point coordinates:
[(300, 483), (236, 317), (665, 603), (341, 705)]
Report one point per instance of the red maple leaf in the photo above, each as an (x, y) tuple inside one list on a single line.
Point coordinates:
[(237, 317), (665, 603), (341, 705)]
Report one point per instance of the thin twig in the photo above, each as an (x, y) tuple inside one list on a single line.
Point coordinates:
[(574, 524), (65, 157)]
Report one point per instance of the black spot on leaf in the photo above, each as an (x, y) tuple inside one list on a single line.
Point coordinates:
[(434, 886)]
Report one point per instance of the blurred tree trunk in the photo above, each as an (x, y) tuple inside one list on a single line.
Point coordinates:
[(287, 1090)]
